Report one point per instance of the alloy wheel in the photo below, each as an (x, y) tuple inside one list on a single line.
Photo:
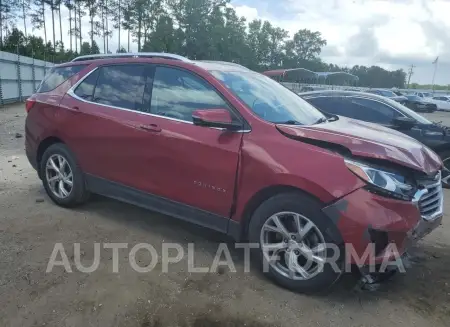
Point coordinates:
[(59, 176), (293, 245)]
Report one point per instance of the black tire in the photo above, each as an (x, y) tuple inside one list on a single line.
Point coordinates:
[(79, 193), (445, 173), (310, 208)]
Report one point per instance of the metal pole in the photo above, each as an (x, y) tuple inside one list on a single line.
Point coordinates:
[(434, 75), (33, 73), (1, 91), (19, 78)]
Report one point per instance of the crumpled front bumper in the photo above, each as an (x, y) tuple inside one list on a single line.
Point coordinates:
[(366, 219)]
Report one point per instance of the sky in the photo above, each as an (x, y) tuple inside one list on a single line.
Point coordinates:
[(393, 34)]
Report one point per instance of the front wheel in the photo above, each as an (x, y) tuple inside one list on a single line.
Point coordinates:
[(294, 243)]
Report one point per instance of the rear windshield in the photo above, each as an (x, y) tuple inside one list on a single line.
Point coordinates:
[(58, 75)]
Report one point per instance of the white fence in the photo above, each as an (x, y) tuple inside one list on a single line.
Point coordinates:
[(19, 76)]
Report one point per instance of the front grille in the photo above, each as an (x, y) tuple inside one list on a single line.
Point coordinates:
[(431, 203)]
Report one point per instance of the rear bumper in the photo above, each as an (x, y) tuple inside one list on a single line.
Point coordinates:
[(31, 150), (370, 222)]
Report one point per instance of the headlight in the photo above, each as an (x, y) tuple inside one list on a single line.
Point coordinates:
[(380, 181)]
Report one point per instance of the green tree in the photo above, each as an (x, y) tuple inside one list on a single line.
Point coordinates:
[(70, 6), (164, 38), (25, 6), (7, 16), (85, 48), (94, 48), (53, 6), (38, 17), (305, 45), (192, 18), (92, 9)]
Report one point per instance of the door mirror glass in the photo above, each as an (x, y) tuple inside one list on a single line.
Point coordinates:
[(220, 118), (404, 122)]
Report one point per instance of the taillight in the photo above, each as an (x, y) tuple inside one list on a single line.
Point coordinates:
[(29, 104)]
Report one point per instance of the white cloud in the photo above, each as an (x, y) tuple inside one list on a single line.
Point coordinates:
[(389, 33), (248, 12)]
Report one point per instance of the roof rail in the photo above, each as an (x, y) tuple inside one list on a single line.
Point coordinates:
[(132, 55), (224, 63)]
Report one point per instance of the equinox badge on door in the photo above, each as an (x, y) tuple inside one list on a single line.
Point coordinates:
[(209, 186)]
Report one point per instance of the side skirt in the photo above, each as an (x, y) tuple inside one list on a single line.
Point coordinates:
[(165, 206)]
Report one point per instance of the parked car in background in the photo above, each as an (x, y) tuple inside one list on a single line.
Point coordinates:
[(442, 105), (222, 146), (423, 94), (445, 98), (384, 111), (388, 94), (419, 104), (442, 98), (398, 93)]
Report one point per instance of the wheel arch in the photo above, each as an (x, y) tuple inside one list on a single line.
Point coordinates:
[(44, 145), (262, 195)]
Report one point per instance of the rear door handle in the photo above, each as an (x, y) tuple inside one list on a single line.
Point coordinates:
[(151, 128)]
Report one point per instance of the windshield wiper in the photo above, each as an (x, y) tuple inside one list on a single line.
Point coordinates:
[(321, 120), (289, 122)]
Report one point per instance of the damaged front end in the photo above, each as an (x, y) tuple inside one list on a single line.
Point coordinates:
[(387, 225)]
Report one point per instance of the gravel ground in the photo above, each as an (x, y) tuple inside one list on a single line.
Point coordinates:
[(30, 225)]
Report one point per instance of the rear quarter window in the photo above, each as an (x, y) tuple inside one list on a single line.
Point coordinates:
[(57, 76)]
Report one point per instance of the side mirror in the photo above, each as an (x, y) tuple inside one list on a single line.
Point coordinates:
[(218, 118), (404, 122)]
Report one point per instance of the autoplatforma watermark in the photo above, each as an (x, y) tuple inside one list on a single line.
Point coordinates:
[(307, 262)]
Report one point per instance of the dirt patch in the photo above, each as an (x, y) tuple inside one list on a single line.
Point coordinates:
[(208, 318), (426, 286)]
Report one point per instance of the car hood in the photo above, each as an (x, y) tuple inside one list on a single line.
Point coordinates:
[(399, 98), (370, 141)]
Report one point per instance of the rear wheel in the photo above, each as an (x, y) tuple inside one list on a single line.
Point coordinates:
[(293, 238), (62, 177)]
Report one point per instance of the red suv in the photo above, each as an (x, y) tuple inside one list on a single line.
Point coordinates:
[(219, 145)]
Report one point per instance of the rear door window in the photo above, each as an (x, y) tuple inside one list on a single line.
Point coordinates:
[(86, 88), (374, 111), (57, 76), (120, 86)]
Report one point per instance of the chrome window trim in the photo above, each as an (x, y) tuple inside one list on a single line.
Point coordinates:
[(71, 92)]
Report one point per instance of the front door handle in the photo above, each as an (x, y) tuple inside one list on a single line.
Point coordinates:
[(151, 128)]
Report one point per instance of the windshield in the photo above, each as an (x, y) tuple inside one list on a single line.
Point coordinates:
[(427, 95), (408, 112), (268, 99), (414, 97)]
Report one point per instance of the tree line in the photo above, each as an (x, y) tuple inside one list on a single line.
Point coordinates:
[(197, 29)]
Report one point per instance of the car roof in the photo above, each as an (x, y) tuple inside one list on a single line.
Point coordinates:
[(335, 93), (220, 66), (208, 65)]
